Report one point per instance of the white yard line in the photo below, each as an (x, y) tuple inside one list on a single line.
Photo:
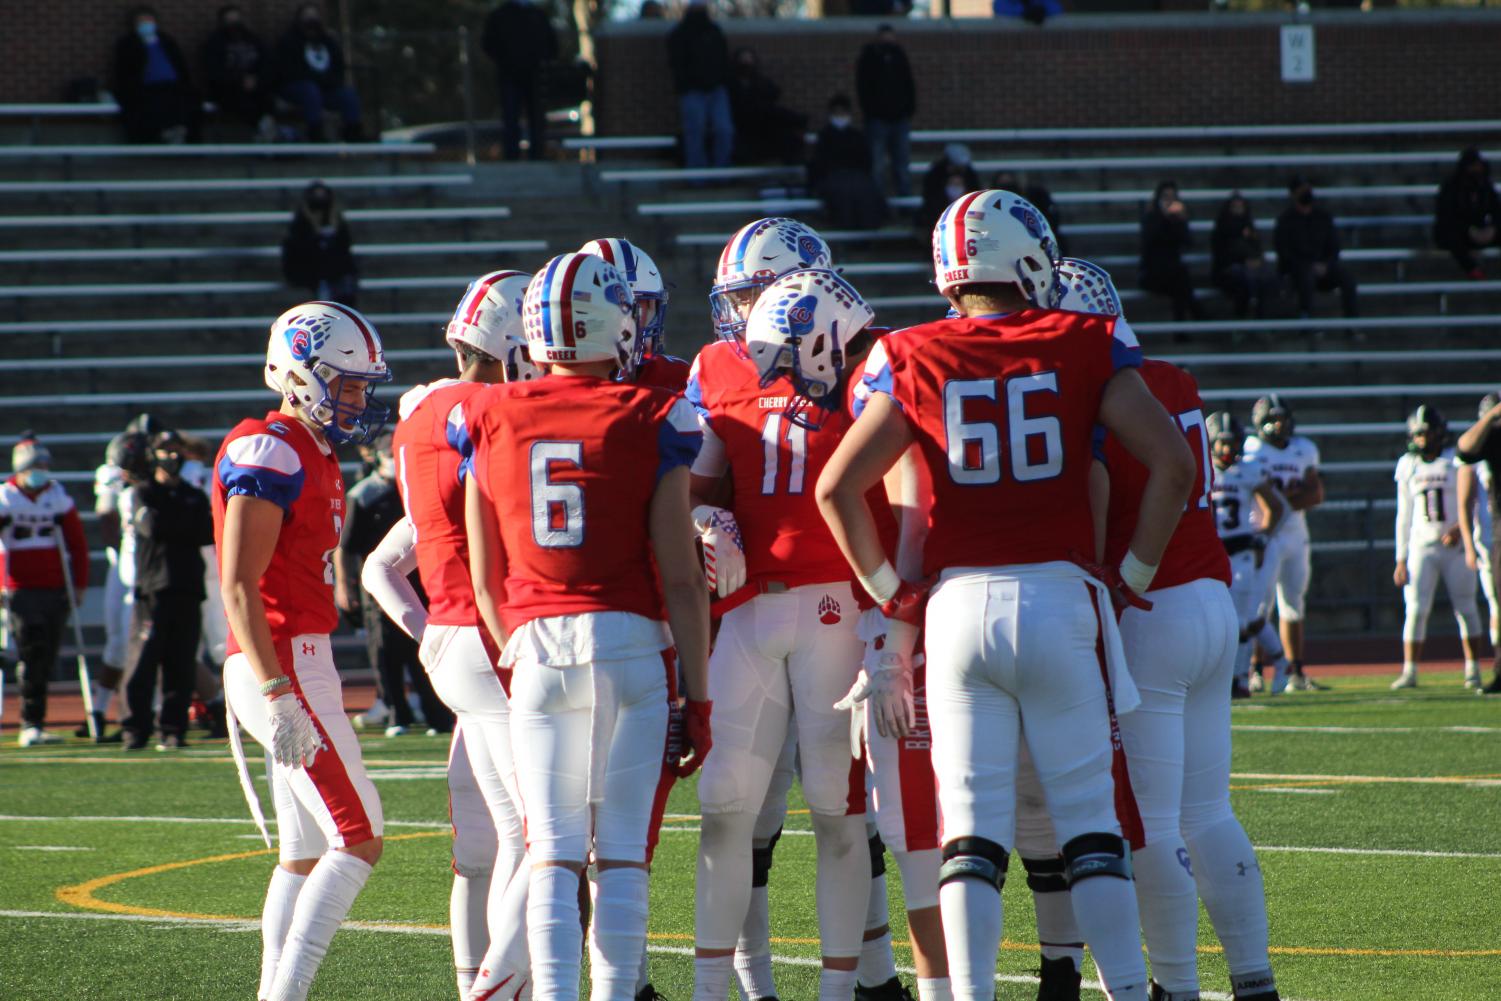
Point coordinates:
[(1270, 728), (51, 848)]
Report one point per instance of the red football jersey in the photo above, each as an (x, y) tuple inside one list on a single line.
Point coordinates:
[(570, 464), (1003, 410), (426, 444), (1195, 550), (278, 459), (773, 466), (663, 372)]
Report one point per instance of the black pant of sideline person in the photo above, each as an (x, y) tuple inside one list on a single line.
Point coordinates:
[(37, 619), (393, 658), (165, 630)]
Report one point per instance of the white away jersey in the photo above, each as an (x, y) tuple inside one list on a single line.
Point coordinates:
[(1285, 466), (1427, 499), (1236, 513)]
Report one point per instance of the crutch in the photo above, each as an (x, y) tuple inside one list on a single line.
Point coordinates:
[(83, 665)]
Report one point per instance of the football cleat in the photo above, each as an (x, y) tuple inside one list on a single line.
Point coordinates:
[(172, 742), (649, 993), (1472, 678), (1256, 684), (1238, 690), (34, 736), (374, 717), (891, 990), (1058, 980), (1301, 682), (1407, 679), (1492, 687), (396, 731)]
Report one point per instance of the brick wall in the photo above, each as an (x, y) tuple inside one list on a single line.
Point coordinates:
[(1184, 69), (46, 43)]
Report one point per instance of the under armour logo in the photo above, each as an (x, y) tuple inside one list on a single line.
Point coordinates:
[(308, 649), (1243, 867), (828, 611)]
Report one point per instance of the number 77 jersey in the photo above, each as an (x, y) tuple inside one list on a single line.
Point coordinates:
[(1004, 411)]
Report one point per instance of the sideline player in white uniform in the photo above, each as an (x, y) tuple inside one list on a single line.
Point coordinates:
[(1429, 544), (127, 462), (1247, 510), (1292, 461), (1021, 642)]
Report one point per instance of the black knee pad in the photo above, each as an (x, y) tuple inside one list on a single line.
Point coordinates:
[(1099, 854), (1045, 875), (974, 858), (761, 861), (877, 856)]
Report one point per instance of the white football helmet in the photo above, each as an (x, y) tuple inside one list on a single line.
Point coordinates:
[(799, 328), (488, 317), (996, 236), (758, 254), (578, 308), (647, 287), (1085, 287), (314, 347)]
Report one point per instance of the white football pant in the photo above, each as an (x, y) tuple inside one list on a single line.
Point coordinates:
[(1426, 566), (1288, 565)]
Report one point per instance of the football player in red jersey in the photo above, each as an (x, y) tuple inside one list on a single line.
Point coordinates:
[(654, 366), (1003, 403), (278, 503), (460, 656), (578, 481)]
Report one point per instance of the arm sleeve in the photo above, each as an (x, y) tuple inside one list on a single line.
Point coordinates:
[(457, 433), (1404, 510), (712, 460), (262, 466), (385, 576), (877, 379), (678, 438), (1125, 349)]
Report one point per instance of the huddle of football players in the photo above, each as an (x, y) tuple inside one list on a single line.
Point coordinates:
[(966, 577)]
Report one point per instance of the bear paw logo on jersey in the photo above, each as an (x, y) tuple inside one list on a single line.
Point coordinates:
[(828, 611)]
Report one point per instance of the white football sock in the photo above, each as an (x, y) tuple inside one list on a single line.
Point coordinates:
[(1057, 932), (971, 910), (842, 888), (877, 964), (1169, 905), (837, 985), (1105, 908), (934, 989), (617, 935), (1229, 881), (467, 902), (101, 697), (711, 977), (753, 975), (508, 957), (276, 918), (553, 932), (321, 906)]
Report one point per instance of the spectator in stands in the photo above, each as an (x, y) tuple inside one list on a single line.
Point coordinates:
[(310, 68), (699, 57), (1468, 212), (888, 100), (1308, 250), (1039, 196), (34, 508), (157, 100), (839, 172), (651, 10), (236, 66), (948, 177), (172, 524), (520, 41), (318, 253), (1031, 11), (1164, 237), (764, 129), (1238, 261)]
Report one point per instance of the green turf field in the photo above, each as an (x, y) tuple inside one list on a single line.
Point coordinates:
[(141, 877)]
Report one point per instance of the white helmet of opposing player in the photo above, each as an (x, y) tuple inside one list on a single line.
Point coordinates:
[(1085, 287), (800, 327), (756, 256), (996, 237), (647, 287), (314, 350), (488, 317), (578, 308)]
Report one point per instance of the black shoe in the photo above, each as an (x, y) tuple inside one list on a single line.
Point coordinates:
[(1058, 980), (1238, 691), (218, 727), (83, 728), (1492, 687), (649, 993), (137, 741), (110, 738), (172, 742), (891, 990), (1263, 996)]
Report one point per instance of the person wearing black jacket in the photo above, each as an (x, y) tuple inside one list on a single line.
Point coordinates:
[(699, 57), (1308, 250), (237, 69), (764, 129), (152, 84), (1238, 262), (888, 99), (310, 71), (1164, 237), (839, 172), (318, 252), (1467, 217), (519, 39), (172, 523)]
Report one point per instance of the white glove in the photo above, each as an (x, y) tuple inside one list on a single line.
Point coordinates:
[(724, 552), (888, 688), (294, 738)]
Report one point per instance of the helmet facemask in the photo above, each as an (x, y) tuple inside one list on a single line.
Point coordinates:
[(1225, 450), (651, 321), (731, 306), (339, 422)]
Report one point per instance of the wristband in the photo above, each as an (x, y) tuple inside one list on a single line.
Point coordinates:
[(267, 687), (1135, 574), (882, 584)]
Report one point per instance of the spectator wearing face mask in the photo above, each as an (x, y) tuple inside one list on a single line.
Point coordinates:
[(888, 99), (310, 67), (236, 67), (1308, 250), (34, 509), (839, 172), (1467, 217), (157, 100), (318, 253), (1164, 238), (947, 177)]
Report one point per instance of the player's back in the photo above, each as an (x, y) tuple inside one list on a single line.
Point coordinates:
[(1194, 551), (571, 464), (426, 446), (1004, 410), (277, 459), (774, 464)]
